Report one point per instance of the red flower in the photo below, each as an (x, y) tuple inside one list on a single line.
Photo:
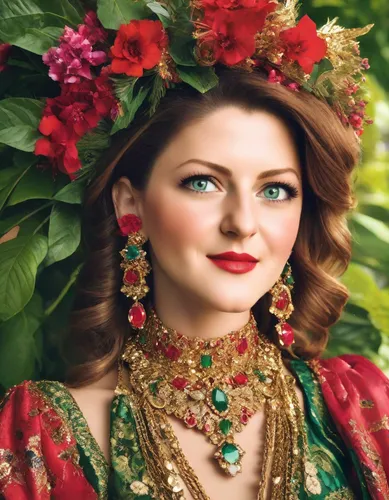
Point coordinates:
[(77, 117), (92, 29), (302, 44), (231, 34), (58, 146), (265, 6), (138, 46), (5, 49)]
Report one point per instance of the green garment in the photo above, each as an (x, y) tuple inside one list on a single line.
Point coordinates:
[(127, 477)]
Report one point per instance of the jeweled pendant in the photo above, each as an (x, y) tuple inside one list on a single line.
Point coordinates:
[(285, 334), (229, 455), (137, 315)]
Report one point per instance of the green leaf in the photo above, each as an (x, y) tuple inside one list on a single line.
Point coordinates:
[(36, 184), (201, 78), (64, 232), (365, 293), (159, 10), (36, 25), (71, 193), (19, 261), (20, 214), (130, 107), (182, 44), (113, 13), (319, 69), (377, 227), (19, 121), (354, 333), (18, 353), (9, 177)]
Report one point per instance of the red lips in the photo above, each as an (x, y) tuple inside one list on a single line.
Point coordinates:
[(238, 257), (236, 263)]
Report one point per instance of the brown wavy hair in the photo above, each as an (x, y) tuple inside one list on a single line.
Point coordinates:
[(328, 154)]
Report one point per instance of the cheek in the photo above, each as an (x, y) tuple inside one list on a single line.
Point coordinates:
[(176, 224), (279, 229)]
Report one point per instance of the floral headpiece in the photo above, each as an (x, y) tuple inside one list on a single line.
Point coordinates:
[(123, 56)]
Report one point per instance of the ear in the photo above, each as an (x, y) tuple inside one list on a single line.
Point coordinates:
[(126, 199)]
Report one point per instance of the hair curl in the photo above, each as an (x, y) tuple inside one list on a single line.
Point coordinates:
[(328, 153)]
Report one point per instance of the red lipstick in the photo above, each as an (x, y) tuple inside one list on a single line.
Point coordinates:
[(237, 263)]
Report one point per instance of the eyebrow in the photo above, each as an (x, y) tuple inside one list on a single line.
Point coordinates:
[(224, 170)]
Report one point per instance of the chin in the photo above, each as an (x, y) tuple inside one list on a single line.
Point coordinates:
[(231, 303)]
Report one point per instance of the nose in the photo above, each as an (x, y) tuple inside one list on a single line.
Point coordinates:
[(240, 214)]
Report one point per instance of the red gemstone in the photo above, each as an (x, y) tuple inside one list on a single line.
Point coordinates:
[(241, 379), (131, 277), (190, 420), (207, 427), (287, 336), (172, 352), (180, 383), (129, 223), (283, 301), (137, 315), (244, 418), (242, 346)]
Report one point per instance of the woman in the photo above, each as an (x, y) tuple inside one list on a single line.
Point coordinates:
[(232, 204)]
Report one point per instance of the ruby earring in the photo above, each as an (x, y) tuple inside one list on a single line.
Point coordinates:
[(135, 267), (282, 306)]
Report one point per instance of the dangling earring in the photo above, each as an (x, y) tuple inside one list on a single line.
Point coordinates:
[(135, 267), (282, 306)]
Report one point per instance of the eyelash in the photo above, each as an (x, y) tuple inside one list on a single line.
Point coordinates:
[(289, 188)]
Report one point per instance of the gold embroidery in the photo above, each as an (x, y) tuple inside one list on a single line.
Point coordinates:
[(380, 425), (9, 469), (35, 462), (366, 403), (378, 476), (341, 494)]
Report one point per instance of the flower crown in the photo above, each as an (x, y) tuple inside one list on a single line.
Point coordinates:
[(127, 56)]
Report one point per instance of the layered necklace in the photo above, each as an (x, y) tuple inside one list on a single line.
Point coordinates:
[(213, 385)]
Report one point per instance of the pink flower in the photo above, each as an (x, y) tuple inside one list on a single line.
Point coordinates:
[(275, 76), (92, 29), (71, 61), (365, 63)]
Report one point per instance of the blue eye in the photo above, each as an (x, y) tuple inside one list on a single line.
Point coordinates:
[(199, 183)]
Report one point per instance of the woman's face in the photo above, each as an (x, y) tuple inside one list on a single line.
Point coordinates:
[(228, 183)]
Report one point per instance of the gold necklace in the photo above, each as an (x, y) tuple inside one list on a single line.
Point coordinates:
[(215, 386)]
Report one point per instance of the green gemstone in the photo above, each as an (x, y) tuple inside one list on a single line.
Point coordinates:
[(206, 360), (153, 386), (219, 399), (225, 426), (290, 280), (260, 375), (132, 252), (230, 453), (142, 339), (286, 270)]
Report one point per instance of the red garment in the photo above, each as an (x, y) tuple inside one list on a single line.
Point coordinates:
[(356, 393), (38, 453)]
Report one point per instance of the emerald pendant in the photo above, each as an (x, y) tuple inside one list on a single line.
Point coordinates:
[(230, 453), (219, 400)]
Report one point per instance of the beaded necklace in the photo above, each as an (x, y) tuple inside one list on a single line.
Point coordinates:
[(214, 385)]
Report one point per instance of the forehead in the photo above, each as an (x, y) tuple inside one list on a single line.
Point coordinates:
[(234, 137)]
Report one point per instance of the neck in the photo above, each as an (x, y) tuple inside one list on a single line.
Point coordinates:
[(194, 319)]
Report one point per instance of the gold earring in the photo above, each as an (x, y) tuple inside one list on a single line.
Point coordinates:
[(282, 306), (135, 267)]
